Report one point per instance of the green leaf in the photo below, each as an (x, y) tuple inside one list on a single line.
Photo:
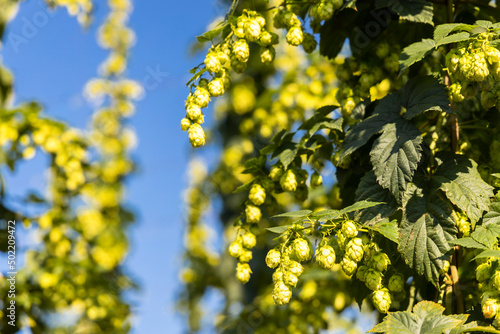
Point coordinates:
[(319, 121), (370, 190), (467, 242), (486, 235), (443, 30), (455, 38), (493, 214), (414, 53), (362, 132), (488, 253), (279, 229), (210, 35), (244, 187), (293, 214), (196, 76), (254, 165), (359, 206), (410, 10), (427, 317), (424, 94), (387, 229), (334, 32), (458, 177), (426, 228), (286, 153), (395, 156)]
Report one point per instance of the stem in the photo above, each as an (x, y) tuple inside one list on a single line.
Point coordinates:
[(411, 301)]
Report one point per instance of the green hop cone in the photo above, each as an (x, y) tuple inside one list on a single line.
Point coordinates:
[(301, 193), (268, 38), (290, 19), (349, 229), (309, 44), (290, 279), (257, 194), (238, 66), (185, 124), (373, 279), (248, 240), (212, 63), (325, 255), (201, 97), (445, 268), (223, 56), (361, 273), (252, 30), (495, 281), (203, 83), (277, 275), (243, 272), (490, 308), (396, 283), (348, 266), (193, 111), (465, 66), (480, 66), (382, 300), (316, 180), (279, 19), (241, 50), (216, 87), (252, 214), (239, 32), (282, 293), (295, 36), (492, 54), (196, 135), (275, 173), (379, 261), (341, 240), (468, 90), (200, 119), (495, 70), (452, 60), (295, 268), (323, 10), (267, 55), (354, 249), (273, 258), (288, 181), (246, 256), (302, 249), (455, 92), (483, 272), (235, 249), (488, 101)]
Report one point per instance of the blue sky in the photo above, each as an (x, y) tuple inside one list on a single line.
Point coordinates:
[(51, 64)]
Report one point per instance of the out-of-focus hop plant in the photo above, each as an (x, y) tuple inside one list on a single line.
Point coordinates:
[(362, 167)]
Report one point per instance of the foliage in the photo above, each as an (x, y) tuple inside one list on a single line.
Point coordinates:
[(365, 171)]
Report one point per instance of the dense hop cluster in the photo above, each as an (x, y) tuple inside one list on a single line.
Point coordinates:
[(488, 275), (294, 180), (474, 67), (287, 258)]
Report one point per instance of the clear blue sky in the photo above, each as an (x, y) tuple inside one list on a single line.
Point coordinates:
[(52, 66)]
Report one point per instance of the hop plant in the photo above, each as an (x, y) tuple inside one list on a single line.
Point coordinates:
[(246, 256), (316, 180), (248, 240), (235, 249), (348, 266), (354, 249), (361, 273), (349, 229), (196, 135), (237, 65), (282, 293), (302, 249), (295, 267), (257, 194), (483, 272), (309, 44), (252, 214), (396, 283), (288, 181), (267, 55), (291, 279), (216, 87), (201, 97), (379, 261), (243, 272), (252, 30), (455, 92), (295, 36), (275, 173), (480, 67), (213, 63), (241, 50), (490, 307), (290, 19), (185, 124), (373, 279), (268, 38), (323, 10), (193, 111), (273, 258), (325, 255), (382, 300)]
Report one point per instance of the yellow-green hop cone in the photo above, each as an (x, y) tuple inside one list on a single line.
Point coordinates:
[(495, 281), (248, 240), (452, 60), (455, 93), (291, 19), (200, 119), (246, 256), (295, 268), (492, 54), (290, 279), (361, 273), (257, 194), (325, 255), (273, 258), (382, 300), (465, 66), (252, 30), (216, 87), (316, 180), (275, 173), (252, 214), (277, 275), (282, 293), (212, 63), (468, 90), (480, 67), (279, 19), (302, 249), (267, 55), (488, 101), (295, 36), (354, 249), (239, 32), (379, 261), (348, 266), (288, 181), (323, 10), (267, 38), (349, 229), (241, 50), (223, 56), (185, 124), (235, 249), (483, 272), (396, 283), (201, 97), (309, 44), (490, 307), (193, 111), (243, 272), (373, 279), (238, 66), (196, 135)]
